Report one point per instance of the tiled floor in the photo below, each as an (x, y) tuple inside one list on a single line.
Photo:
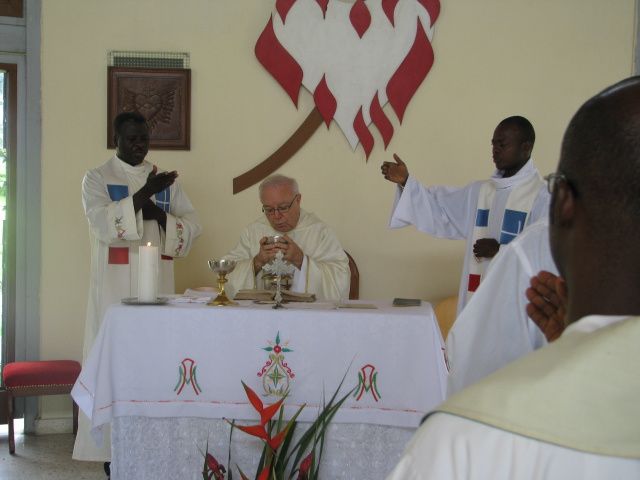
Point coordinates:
[(44, 457)]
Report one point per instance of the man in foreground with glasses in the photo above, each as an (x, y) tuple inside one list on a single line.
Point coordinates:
[(570, 409), (322, 267)]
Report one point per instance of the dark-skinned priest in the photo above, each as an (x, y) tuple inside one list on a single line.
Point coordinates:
[(487, 213), (129, 203)]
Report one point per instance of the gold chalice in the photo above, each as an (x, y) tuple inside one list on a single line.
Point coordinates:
[(222, 267)]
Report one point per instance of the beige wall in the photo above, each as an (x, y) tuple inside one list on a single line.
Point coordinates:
[(493, 59)]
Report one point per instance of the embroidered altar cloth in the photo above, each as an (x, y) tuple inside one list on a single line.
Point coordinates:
[(187, 360)]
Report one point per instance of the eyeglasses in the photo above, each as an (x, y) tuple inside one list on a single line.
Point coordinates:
[(553, 179), (270, 211)]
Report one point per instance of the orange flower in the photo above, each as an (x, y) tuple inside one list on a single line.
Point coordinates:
[(265, 413)]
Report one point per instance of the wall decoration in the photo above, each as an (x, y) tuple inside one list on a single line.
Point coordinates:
[(163, 96), (354, 57)]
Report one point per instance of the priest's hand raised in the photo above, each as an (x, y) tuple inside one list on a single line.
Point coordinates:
[(395, 172), (156, 182)]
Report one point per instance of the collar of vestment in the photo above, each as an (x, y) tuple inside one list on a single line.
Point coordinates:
[(142, 169), (581, 391), (525, 173)]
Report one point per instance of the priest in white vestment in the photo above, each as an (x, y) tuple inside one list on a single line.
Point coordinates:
[(322, 266), (569, 410), (128, 203), (494, 328), (487, 214)]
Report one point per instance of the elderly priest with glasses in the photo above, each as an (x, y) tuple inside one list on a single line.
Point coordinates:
[(322, 267)]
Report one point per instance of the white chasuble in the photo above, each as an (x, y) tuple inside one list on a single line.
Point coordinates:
[(116, 232), (569, 410), (325, 270), (497, 208)]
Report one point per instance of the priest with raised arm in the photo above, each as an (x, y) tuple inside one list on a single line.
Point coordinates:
[(569, 410), (321, 265), (488, 213)]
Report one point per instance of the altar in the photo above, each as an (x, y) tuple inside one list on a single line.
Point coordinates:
[(165, 376)]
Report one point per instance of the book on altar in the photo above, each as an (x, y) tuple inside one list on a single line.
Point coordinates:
[(267, 295)]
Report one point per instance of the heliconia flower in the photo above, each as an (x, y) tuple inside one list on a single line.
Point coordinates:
[(265, 413), (214, 467), (264, 474), (255, 430), (305, 466), (276, 441)]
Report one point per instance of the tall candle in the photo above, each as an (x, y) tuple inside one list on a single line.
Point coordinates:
[(147, 273)]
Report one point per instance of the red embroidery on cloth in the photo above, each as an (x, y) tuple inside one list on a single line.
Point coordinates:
[(187, 371), (367, 382), (276, 373)]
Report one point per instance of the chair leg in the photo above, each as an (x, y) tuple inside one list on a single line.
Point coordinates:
[(10, 409), (75, 418)]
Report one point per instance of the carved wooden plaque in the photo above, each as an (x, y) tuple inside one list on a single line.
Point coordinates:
[(163, 96), (11, 8)]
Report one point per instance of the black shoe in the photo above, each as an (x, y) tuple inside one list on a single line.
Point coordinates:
[(107, 469)]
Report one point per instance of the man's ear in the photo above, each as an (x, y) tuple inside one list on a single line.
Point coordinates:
[(527, 147), (563, 204)]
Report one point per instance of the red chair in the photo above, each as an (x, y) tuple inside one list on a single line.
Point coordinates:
[(47, 377)]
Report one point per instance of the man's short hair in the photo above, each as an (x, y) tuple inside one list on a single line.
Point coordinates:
[(528, 134), (278, 180), (125, 117), (601, 158)]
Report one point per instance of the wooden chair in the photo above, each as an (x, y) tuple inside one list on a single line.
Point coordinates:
[(47, 377), (445, 312), (354, 289)]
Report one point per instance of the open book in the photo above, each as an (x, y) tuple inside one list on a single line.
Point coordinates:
[(267, 295)]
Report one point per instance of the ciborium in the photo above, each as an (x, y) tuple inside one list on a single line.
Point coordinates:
[(222, 268)]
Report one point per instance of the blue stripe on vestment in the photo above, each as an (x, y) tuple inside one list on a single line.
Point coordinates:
[(512, 225), (482, 217), (118, 192), (163, 199)]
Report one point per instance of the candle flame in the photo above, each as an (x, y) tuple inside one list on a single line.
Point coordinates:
[(148, 244)]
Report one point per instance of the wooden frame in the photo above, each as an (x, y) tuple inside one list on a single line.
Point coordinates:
[(162, 95)]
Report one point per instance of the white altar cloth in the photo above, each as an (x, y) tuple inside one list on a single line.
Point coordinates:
[(187, 360)]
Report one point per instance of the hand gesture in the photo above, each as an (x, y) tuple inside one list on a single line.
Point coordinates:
[(395, 172), (486, 248), (266, 254), (547, 309), (291, 251), (157, 182), (150, 211)]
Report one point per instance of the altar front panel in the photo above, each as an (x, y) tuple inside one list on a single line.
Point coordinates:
[(188, 361)]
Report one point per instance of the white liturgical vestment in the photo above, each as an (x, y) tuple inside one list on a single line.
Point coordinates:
[(461, 213), (494, 328), (116, 232), (325, 269), (568, 411)]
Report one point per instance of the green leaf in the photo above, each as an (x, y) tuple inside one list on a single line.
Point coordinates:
[(268, 349)]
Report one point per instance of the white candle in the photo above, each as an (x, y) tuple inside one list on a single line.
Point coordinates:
[(147, 273)]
